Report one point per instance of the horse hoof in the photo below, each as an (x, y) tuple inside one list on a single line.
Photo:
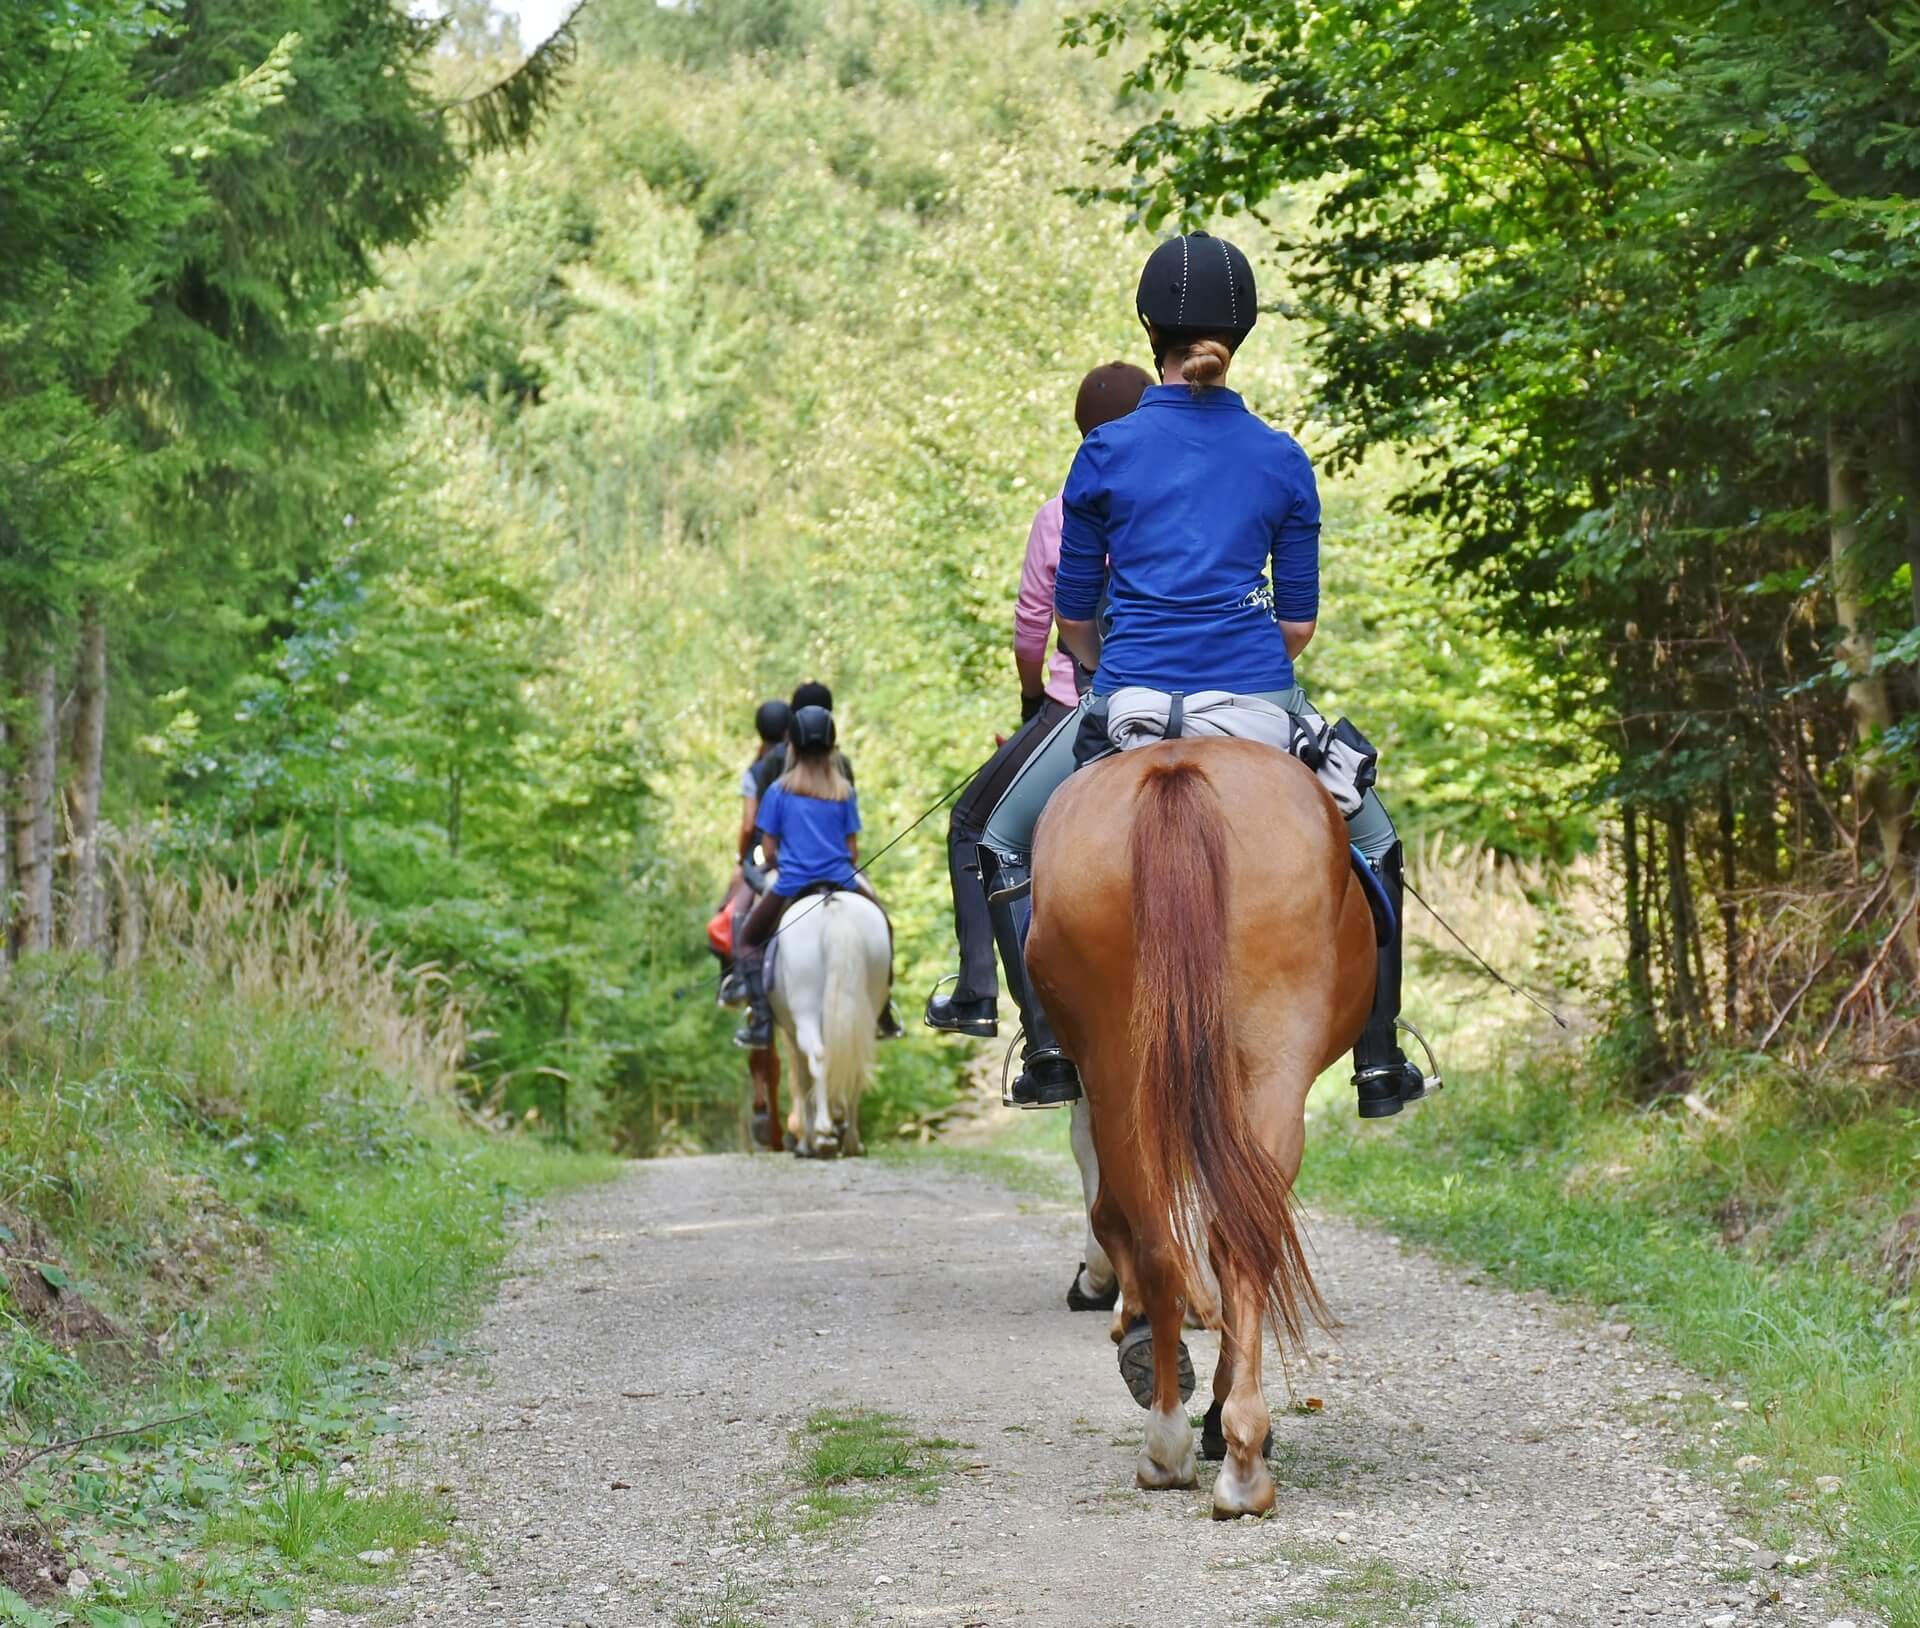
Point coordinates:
[(1213, 1444), (761, 1128), (802, 1151), (826, 1147), (1151, 1477), (1235, 1495), (1136, 1363), (1077, 1301)]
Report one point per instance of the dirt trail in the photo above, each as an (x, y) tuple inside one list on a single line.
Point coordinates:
[(1480, 1457)]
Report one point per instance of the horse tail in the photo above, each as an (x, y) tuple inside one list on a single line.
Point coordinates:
[(847, 1019), (1208, 1168)]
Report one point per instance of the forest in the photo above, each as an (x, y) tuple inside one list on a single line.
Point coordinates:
[(419, 454)]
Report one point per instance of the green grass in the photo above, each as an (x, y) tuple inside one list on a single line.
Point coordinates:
[(284, 1227), (1542, 1184), (1376, 1594), (851, 1460)]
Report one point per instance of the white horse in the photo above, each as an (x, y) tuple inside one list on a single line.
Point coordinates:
[(829, 989)]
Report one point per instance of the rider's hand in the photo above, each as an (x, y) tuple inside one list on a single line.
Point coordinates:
[(1030, 705)]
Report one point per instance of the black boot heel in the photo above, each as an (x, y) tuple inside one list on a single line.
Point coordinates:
[(1380, 1091), (1076, 1301)]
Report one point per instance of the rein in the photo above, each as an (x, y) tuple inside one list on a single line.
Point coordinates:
[(1492, 972), (794, 913)]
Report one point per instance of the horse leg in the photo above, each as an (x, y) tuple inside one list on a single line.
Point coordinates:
[(1244, 1485), (1166, 1460), (771, 1075), (1109, 1225), (816, 1112), (1213, 1445), (764, 1069), (1094, 1286)]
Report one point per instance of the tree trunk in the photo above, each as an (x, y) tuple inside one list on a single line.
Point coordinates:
[(1640, 944), (1867, 700), (84, 780), (1909, 422), (1688, 1004), (32, 811), (1729, 905), (6, 843)]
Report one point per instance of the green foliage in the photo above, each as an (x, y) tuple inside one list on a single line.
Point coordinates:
[(1634, 283), (730, 348), (281, 1221), (1747, 1239), (89, 197), (852, 1460)]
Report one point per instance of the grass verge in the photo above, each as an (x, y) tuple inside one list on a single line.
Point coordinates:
[(1745, 1232), (265, 1224), (851, 1460)]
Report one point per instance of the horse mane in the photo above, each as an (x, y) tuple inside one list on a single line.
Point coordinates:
[(1216, 1180)]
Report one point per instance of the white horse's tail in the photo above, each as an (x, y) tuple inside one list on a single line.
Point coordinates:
[(847, 1020)]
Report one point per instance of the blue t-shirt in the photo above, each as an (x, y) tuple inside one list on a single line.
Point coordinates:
[(812, 834), (1179, 511)]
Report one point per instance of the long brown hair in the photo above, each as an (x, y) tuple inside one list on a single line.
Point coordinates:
[(816, 774), (1218, 1183)]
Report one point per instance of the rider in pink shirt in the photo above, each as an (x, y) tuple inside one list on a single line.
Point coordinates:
[(1048, 693), (1033, 615)]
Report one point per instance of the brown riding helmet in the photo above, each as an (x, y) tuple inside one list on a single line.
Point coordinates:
[(1110, 391)]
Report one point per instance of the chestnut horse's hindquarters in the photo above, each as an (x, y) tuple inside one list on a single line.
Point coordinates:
[(1225, 1191)]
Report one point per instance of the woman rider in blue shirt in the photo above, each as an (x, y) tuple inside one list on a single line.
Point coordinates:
[(1201, 525)]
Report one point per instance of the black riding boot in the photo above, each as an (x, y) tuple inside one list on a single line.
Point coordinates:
[(1047, 1077), (1386, 1081), (756, 1034), (971, 1008), (959, 1014)]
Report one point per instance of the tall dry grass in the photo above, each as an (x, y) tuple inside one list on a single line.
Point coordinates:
[(280, 932), (1553, 930)]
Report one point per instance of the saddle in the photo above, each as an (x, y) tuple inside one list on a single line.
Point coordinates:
[(1341, 758)]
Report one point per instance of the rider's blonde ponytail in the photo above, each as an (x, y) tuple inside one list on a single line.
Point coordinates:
[(1205, 366), (817, 774)]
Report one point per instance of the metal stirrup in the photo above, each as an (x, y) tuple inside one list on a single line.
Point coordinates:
[(1433, 1080)]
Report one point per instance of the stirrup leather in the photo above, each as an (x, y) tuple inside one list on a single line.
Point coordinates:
[(1010, 895)]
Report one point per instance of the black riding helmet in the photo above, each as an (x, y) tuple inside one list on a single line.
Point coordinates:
[(1197, 287), (771, 720), (812, 729)]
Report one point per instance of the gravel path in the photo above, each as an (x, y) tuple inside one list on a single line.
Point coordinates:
[(627, 1456)]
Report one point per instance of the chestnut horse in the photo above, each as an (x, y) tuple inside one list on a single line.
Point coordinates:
[(1204, 950)]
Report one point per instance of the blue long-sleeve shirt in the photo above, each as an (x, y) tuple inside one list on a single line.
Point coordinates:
[(1179, 510)]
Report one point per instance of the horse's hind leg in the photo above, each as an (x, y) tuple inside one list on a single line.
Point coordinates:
[(1167, 1458), (1094, 1286), (1244, 1485), (1107, 1223), (1213, 1445)]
